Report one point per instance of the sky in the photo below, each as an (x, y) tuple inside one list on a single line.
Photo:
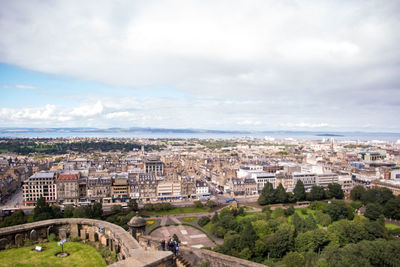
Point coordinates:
[(225, 65)]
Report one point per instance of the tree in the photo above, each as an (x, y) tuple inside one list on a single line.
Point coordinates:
[(322, 218), (68, 211), (18, 217), (293, 259), (203, 221), (198, 204), (289, 211), (357, 192), (133, 205), (176, 239), (392, 209), (338, 210), (373, 211), (298, 223), (215, 218), (299, 191), (42, 210), (267, 195), (309, 223), (261, 228), (211, 204), (97, 211), (335, 191), (280, 194), (247, 237), (317, 192)]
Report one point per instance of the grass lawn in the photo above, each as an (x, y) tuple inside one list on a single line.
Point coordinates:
[(180, 210), (80, 255), (150, 223), (390, 226), (189, 219), (208, 227)]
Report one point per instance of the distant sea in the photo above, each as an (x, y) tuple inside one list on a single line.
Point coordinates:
[(198, 134)]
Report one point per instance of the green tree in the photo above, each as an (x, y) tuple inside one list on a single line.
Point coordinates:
[(373, 211), (42, 210), (18, 217), (392, 208), (261, 228), (68, 211), (97, 211), (215, 218), (309, 223), (322, 218), (338, 210), (293, 259), (203, 221), (211, 204), (299, 191), (335, 191), (133, 205), (247, 237), (298, 223), (267, 195), (281, 195), (198, 204), (357, 192), (317, 192)]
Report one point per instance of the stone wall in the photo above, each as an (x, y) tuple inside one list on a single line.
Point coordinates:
[(197, 256), (107, 234)]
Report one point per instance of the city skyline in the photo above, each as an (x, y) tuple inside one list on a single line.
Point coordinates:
[(229, 65)]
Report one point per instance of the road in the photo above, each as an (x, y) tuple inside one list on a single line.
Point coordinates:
[(15, 199)]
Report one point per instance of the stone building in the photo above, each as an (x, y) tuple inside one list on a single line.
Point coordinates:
[(188, 187), (68, 187), (147, 187), (42, 183), (153, 164), (99, 189)]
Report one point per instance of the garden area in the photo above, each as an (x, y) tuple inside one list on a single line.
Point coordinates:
[(79, 255), (322, 234)]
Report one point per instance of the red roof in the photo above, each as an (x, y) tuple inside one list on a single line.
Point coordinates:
[(67, 176)]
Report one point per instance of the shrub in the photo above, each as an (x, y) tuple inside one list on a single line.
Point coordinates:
[(204, 220), (211, 204), (198, 204)]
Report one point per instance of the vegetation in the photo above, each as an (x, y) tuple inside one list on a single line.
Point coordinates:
[(189, 219), (80, 255), (24, 146), (178, 211), (296, 238), (269, 195), (204, 220)]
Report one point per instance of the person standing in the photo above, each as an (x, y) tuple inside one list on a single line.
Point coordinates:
[(162, 244)]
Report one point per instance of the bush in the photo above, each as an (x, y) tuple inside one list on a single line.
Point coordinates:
[(304, 211), (198, 204), (148, 207), (204, 220), (211, 204), (289, 211)]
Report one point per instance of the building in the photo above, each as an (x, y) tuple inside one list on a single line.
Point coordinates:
[(68, 188), (202, 189), (188, 187), (286, 181), (154, 165), (243, 186), (120, 189), (147, 187), (245, 171), (40, 184), (308, 179), (327, 178), (99, 189), (168, 190), (262, 178), (272, 168)]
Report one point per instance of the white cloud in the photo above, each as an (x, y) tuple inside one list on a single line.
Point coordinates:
[(88, 110), (23, 86), (304, 125), (308, 61)]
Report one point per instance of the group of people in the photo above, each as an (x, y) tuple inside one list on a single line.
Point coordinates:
[(172, 245)]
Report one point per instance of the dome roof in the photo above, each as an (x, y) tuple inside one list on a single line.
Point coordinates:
[(137, 221)]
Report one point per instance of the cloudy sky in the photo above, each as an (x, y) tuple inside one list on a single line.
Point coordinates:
[(234, 65)]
